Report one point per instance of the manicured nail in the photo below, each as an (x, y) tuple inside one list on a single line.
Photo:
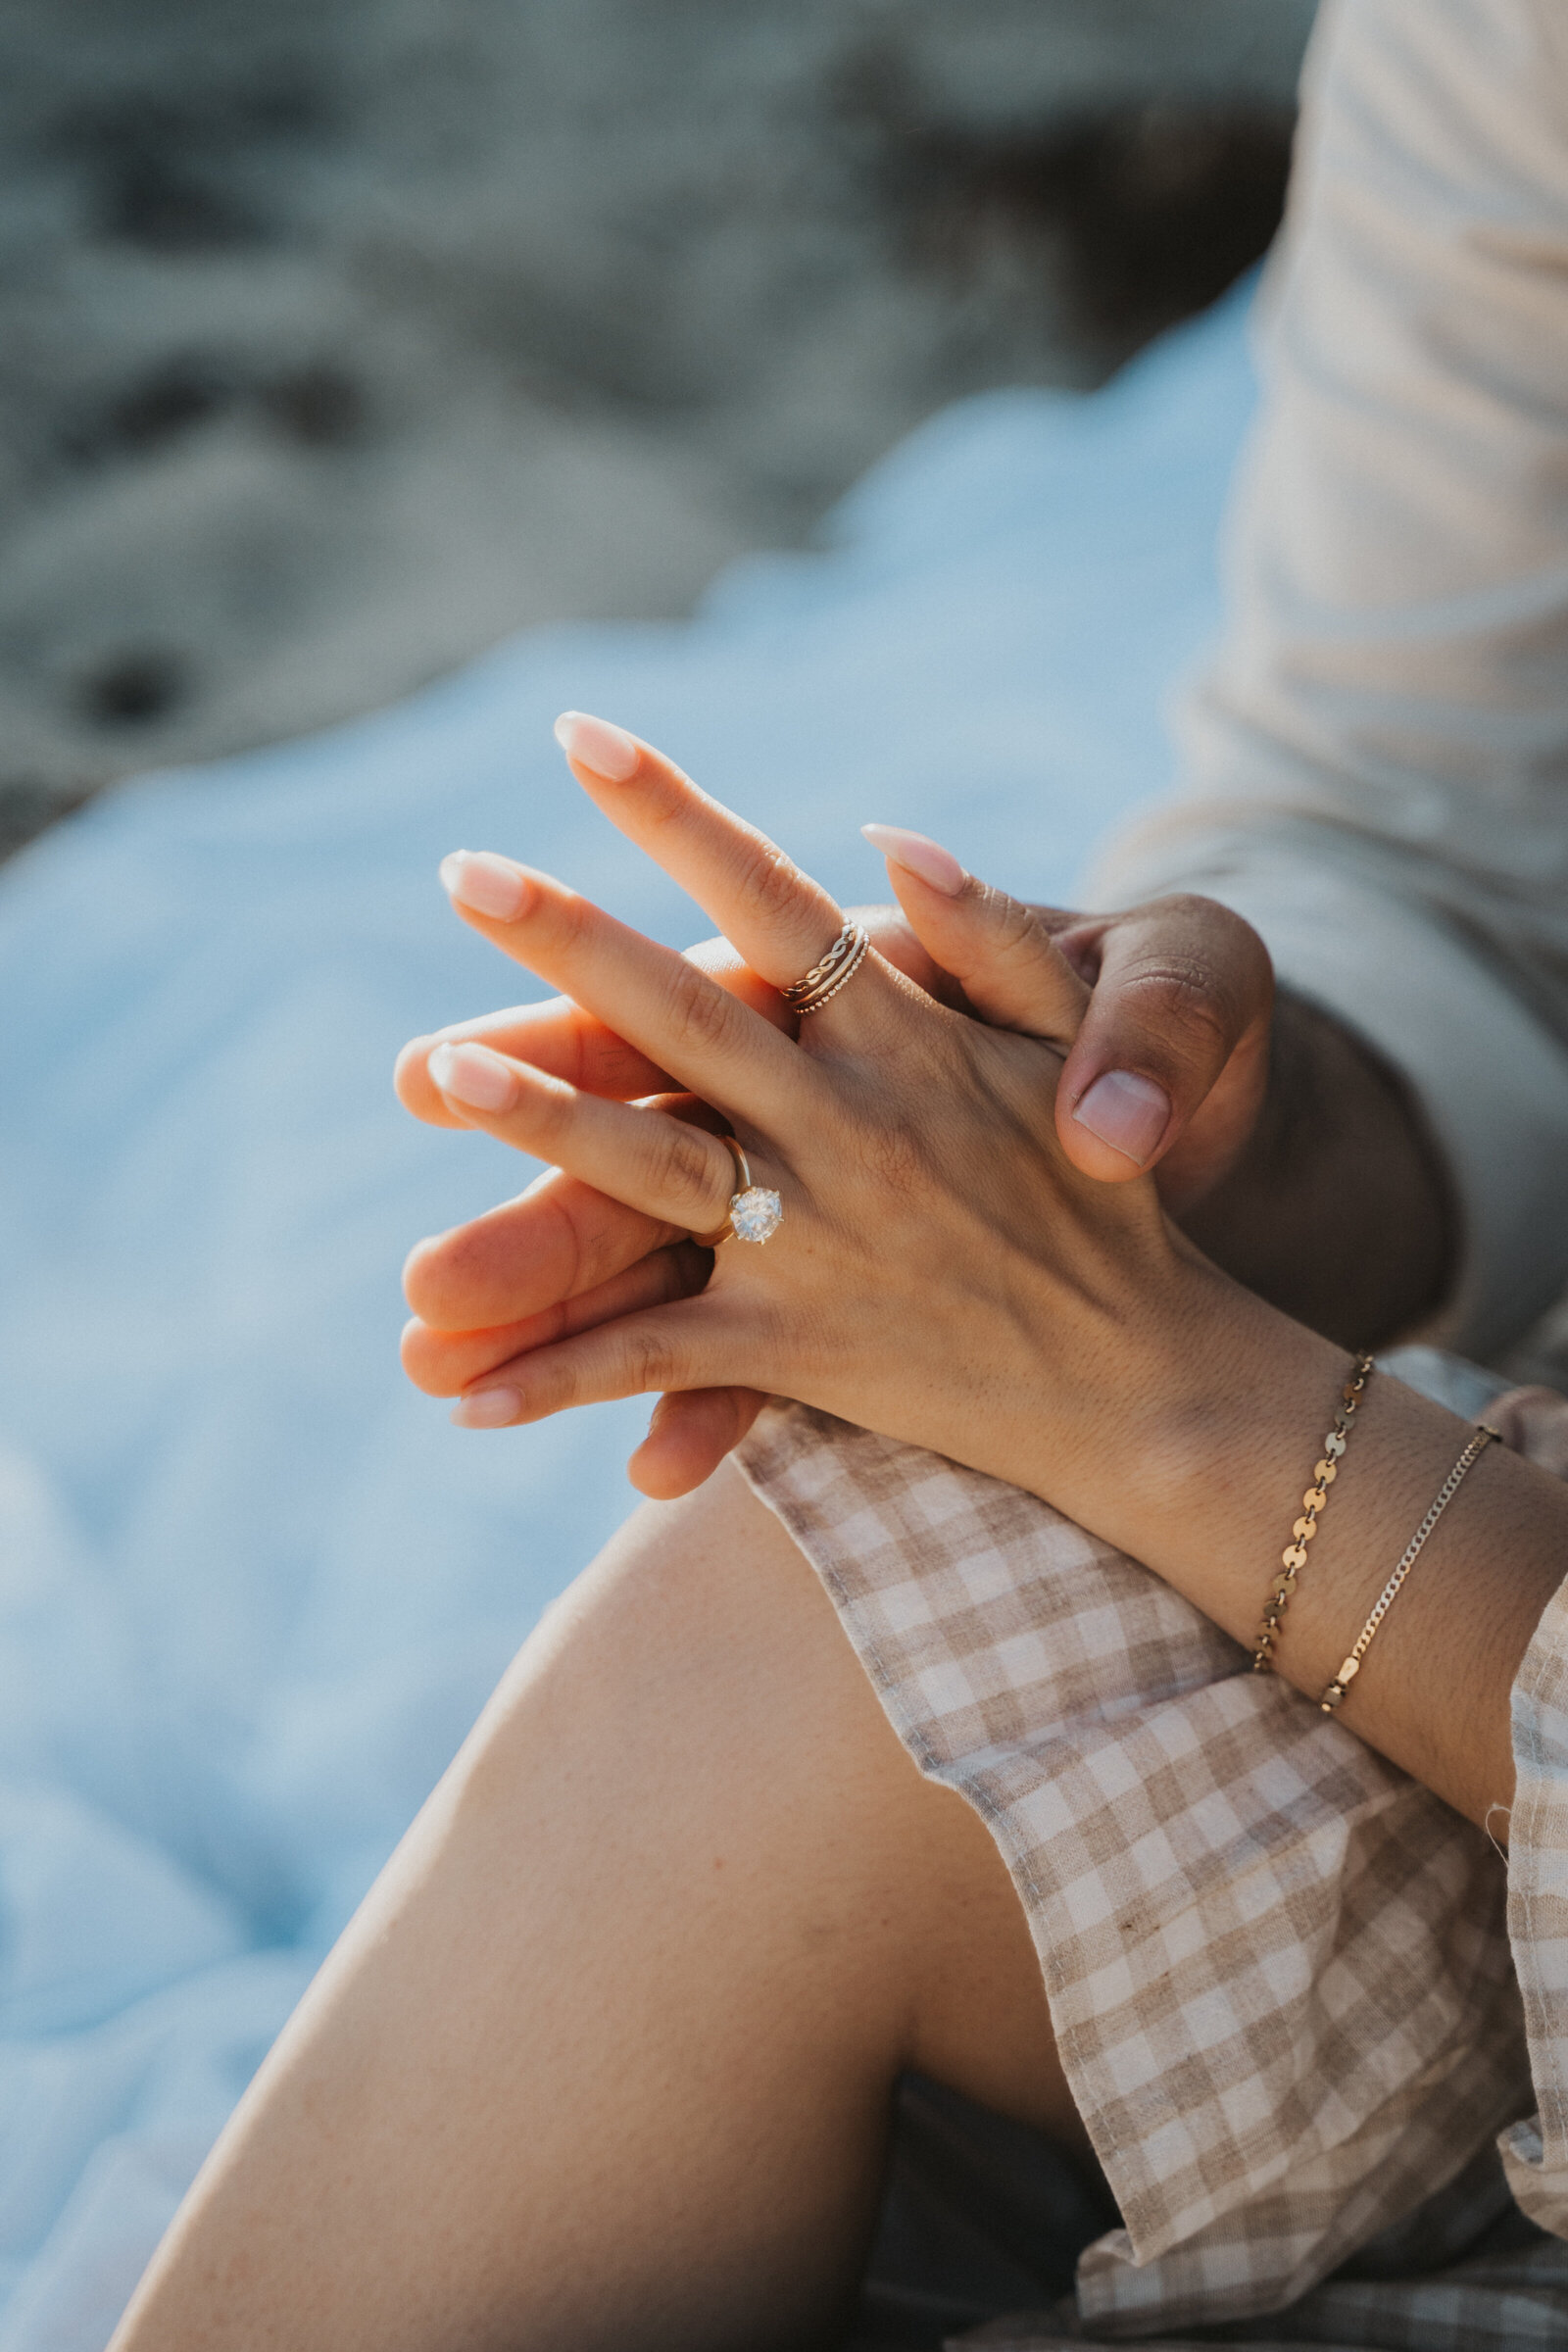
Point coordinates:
[(927, 859), (489, 884), (594, 742), (487, 1408), (474, 1075), (1127, 1113)]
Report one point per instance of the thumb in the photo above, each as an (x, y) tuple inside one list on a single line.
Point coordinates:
[(1171, 1061), (690, 1433), (1012, 971)]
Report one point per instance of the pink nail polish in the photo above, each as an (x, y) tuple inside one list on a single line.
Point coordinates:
[(489, 884), (487, 1408), (594, 742), (1125, 1112), (474, 1076), (913, 851)]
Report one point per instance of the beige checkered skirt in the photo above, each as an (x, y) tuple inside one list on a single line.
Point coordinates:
[(1278, 1969)]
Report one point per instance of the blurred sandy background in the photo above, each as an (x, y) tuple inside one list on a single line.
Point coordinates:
[(338, 338)]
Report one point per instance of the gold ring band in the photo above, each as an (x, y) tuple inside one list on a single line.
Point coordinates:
[(756, 1211), (836, 970)]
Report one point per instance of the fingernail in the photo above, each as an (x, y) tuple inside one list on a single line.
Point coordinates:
[(474, 1075), (490, 885), (487, 1408), (1127, 1113), (927, 859), (609, 750)]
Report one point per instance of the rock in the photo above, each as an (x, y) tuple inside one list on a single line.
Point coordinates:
[(337, 341)]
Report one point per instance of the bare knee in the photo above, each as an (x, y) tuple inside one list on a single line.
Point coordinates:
[(697, 1686), (656, 1949), (699, 1643)]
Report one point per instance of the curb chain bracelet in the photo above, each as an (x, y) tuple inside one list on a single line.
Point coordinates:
[(1334, 1692)]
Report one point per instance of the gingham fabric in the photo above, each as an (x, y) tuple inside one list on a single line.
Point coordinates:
[(1535, 2152), (1278, 1969)]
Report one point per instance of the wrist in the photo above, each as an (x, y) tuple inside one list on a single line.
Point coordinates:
[(1183, 1437)]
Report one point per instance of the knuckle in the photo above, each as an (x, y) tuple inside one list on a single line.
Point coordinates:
[(648, 1361), (769, 882), (686, 1168), (552, 1107), (1176, 998), (703, 1015), (1216, 940), (1013, 925), (666, 793), (561, 1245), (572, 918)]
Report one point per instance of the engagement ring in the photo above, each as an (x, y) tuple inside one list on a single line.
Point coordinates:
[(756, 1211)]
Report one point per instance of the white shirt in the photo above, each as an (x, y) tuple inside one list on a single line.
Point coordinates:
[(1375, 765)]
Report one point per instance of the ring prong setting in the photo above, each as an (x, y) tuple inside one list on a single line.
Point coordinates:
[(755, 1211), (755, 1215)]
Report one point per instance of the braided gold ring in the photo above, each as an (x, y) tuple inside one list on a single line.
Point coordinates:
[(836, 970)]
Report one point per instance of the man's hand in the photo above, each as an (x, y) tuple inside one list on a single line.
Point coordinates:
[(1304, 1170)]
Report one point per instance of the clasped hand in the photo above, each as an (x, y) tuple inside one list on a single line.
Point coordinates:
[(944, 1272)]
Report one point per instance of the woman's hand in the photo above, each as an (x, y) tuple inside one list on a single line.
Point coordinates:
[(944, 1274), (1174, 1041), (934, 1229)]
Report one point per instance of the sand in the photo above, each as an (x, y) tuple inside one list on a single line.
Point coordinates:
[(338, 341)]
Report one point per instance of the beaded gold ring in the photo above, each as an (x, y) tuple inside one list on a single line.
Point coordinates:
[(836, 970)]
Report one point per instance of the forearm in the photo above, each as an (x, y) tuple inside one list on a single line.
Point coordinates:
[(1203, 1473), (1339, 1210)]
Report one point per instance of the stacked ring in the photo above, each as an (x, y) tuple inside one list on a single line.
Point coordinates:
[(756, 1211), (836, 970)]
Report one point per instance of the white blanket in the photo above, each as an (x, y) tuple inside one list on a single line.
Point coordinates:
[(252, 1586)]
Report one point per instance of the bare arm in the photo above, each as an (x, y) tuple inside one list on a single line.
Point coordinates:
[(1231, 1421)]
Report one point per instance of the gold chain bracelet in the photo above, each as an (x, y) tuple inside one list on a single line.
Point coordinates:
[(1293, 1559), (1334, 1692)]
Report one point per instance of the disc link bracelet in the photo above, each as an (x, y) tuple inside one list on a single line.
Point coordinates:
[(1293, 1559)]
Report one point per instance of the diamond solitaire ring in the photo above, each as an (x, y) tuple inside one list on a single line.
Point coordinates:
[(756, 1211)]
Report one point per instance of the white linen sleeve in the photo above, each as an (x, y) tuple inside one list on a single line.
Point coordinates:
[(1376, 764), (1535, 2152)]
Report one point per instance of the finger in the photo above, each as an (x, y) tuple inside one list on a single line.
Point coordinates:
[(689, 1435), (661, 1165), (659, 1001), (558, 1036), (886, 927), (694, 1344), (1177, 1030), (775, 916), (1011, 972), (443, 1363), (558, 1238)]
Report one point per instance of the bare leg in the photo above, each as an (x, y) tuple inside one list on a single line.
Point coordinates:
[(605, 2058)]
